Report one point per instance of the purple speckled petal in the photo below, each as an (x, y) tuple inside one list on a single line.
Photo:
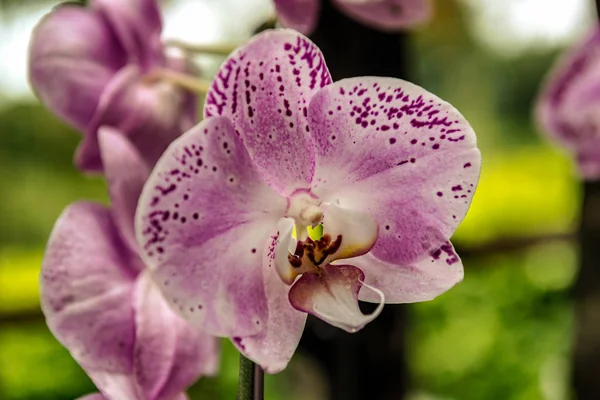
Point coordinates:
[(150, 114), (420, 281), (387, 15), (566, 108), (170, 354), (265, 87), (72, 57), (203, 216), (85, 289), (389, 148), (138, 25), (300, 15), (126, 174), (273, 348), (333, 296)]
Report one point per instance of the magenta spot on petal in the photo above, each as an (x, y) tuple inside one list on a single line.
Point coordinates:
[(392, 140), (467, 165), (414, 141), (435, 146), (440, 194), (238, 341)]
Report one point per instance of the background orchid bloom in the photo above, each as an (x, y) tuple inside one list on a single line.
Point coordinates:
[(95, 66), (388, 169), (103, 306), (568, 107), (385, 15)]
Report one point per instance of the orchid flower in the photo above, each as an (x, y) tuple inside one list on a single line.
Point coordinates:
[(386, 169), (385, 15), (102, 304), (568, 110), (103, 65)]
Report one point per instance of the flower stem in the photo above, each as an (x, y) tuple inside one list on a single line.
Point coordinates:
[(213, 48), (185, 81), (251, 380)]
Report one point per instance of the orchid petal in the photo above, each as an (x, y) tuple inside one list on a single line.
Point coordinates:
[(285, 244), (126, 174), (138, 25), (115, 385), (387, 15), (273, 348), (391, 149), (72, 57), (152, 115), (265, 87), (202, 216), (170, 354), (300, 15), (85, 289), (357, 230), (333, 296), (567, 106), (420, 281)]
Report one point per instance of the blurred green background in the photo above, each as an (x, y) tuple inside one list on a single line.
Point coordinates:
[(504, 333)]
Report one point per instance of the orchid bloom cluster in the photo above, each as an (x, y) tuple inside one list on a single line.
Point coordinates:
[(101, 302), (295, 195), (385, 15), (567, 107), (105, 65), (99, 68), (386, 169)]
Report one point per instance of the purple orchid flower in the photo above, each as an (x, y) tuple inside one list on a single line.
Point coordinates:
[(387, 168), (385, 15), (97, 66), (567, 107), (104, 307)]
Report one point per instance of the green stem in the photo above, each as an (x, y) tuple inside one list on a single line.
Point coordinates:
[(251, 379), (184, 81), (213, 49)]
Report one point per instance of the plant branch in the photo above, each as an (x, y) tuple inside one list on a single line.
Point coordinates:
[(185, 81), (219, 49)]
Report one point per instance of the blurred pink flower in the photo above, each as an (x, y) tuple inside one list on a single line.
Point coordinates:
[(568, 106), (103, 306), (385, 15), (94, 66), (388, 168)]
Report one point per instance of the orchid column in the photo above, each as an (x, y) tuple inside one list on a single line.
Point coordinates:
[(568, 111)]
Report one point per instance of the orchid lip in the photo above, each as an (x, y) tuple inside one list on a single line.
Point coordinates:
[(346, 233)]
